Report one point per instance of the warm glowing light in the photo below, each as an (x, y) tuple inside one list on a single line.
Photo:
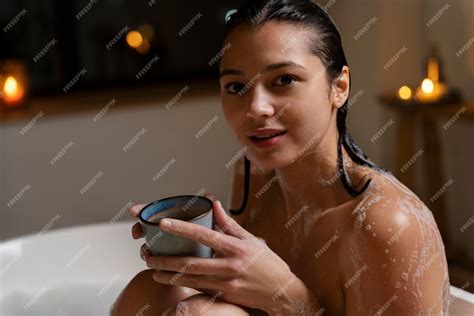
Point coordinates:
[(11, 86), (404, 93), (134, 39), (12, 91), (427, 86)]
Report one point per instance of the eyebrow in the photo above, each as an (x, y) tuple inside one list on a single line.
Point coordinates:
[(231, 71)]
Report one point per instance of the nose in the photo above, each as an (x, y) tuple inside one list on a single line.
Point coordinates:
[(259, 103)]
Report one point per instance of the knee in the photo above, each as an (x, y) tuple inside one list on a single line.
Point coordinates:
[(144, 296), (145, 275), (143, 282), (194, 305), (140, 294), (202, 304)]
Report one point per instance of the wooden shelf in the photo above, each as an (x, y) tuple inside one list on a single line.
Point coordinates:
[(441, 110)]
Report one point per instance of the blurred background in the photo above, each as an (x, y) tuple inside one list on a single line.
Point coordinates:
[(105, 104)]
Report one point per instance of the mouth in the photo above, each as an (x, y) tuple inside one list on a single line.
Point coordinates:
[(267, 136), (267, 140)]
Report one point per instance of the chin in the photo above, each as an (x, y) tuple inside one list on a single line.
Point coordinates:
[(267, 162)]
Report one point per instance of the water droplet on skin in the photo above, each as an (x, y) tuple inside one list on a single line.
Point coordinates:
[(405, 288), (384, 265), (389, 230), (405, 276), (398, 285), (386, 251), (373, 234), (393, 260), (368, 227)]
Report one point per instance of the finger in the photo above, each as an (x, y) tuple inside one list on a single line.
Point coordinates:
[(137, 231), (201, 234), (227, 224), (188, 280), (134, 210), (210, 196), (145, 252), (189, 265), (217, 228)]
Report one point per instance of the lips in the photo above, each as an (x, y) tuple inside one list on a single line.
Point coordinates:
[(265, 132), (266, 135)]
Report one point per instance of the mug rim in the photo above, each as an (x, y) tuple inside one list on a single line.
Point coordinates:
[(140, 217)]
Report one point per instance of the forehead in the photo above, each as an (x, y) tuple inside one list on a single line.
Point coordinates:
[(272, 42)]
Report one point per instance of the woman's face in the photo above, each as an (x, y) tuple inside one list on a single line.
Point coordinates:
[(269, 79)]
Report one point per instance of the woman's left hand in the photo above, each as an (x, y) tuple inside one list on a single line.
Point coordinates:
[(244, 271)]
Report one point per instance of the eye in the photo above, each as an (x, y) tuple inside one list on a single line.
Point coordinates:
[(287, 79), (233, 87)]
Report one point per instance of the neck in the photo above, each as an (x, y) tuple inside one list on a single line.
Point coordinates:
[(314, 180)]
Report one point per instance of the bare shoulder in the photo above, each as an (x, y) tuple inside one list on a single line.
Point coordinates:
[(398, 260), (258, 179), (388, 205)]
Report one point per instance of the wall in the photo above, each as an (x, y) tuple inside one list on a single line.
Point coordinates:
[(97, 146)]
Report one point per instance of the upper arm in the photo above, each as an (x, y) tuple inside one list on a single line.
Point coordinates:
[(398, 265)]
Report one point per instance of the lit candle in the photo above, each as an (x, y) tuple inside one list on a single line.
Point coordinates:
[(427, 86), (13, 91), (13, 84), (140, 39), (430, 90), (404, 93), (134, 39)]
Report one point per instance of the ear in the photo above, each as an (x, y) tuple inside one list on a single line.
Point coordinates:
[(340, 88)]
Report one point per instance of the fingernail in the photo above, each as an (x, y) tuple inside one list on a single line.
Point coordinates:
[(165, 223)]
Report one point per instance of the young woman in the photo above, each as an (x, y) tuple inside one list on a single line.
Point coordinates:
[(321, 230)]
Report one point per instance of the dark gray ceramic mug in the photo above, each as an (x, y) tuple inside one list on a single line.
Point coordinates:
[(191, 208)]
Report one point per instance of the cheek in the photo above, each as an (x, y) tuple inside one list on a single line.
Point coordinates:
[(311, 118), (308, 123)]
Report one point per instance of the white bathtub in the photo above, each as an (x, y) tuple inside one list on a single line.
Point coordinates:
[(74, 271), (81, 270)]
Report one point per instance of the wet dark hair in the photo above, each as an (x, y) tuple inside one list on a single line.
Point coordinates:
[(327, 45)]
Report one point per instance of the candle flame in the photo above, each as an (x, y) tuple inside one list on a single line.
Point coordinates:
[(134, 39), (12, 91), (427, 86), (404, 93), (11, 86)]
